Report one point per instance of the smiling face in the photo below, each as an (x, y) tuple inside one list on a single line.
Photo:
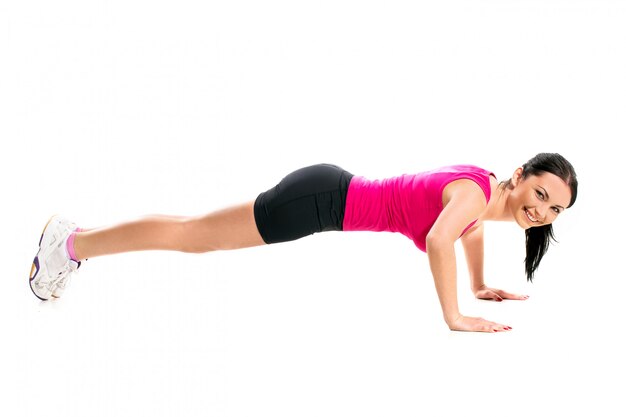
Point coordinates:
[(538, 199)]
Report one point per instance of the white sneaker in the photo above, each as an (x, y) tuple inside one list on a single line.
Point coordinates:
[(52, 267), (64, 282)]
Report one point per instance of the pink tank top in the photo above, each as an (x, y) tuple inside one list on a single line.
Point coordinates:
[(408, 204)]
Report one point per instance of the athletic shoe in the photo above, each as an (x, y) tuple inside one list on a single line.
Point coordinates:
[(52, 268), (63, 283)]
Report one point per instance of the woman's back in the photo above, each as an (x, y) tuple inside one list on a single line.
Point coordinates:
[(408, 204)]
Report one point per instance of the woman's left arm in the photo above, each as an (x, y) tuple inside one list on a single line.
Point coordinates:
[(473, 245)]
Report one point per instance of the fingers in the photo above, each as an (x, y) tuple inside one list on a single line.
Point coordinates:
[(498, 295), (478, 324), (489, 295), (500, 328), (509, 296), (493, 327)]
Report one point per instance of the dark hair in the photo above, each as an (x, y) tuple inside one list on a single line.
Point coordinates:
[(538, 238)]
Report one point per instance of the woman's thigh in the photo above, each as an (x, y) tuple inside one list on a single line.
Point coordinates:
[(228, 228)]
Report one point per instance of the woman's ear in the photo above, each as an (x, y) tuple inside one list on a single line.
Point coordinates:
[(517, 177)]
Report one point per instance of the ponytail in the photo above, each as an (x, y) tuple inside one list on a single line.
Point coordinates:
[(537, 242)]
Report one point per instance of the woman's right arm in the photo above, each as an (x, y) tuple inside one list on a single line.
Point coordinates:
[(464, 202)]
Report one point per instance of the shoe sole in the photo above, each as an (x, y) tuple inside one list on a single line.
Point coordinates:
[(35, 266)]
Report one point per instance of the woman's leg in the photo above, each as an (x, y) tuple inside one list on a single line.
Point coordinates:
[(229, 228)]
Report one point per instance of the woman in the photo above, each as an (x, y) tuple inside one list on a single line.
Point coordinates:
[(433, 208)]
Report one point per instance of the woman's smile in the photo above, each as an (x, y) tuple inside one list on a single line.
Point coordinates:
[(530, 217)]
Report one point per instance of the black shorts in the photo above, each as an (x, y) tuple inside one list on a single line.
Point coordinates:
[(307, 201)]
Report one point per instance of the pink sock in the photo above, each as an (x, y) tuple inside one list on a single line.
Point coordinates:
[(70, 246)]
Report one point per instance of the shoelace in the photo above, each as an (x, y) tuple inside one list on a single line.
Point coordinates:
[(72, 266)]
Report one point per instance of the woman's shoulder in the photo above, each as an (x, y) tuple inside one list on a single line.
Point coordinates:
[(466, 179), (461, 168), (464, 187), (440, 177)]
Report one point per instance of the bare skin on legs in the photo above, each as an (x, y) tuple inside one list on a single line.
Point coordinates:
[(225, 229)]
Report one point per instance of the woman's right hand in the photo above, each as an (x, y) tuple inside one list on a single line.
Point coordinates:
[(477, 324)]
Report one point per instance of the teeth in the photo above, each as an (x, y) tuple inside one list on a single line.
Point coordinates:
[(530, 217)]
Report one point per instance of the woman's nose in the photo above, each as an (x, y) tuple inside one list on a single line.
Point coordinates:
[(542, 210)]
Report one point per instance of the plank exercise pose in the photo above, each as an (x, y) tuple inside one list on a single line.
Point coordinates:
[(432, 208)]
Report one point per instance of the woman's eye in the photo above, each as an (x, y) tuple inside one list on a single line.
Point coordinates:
[(556, 210), (540, 195)]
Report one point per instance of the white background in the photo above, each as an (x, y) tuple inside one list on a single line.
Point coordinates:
[(110, 110)]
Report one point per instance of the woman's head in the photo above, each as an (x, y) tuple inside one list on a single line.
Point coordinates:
[(539, 192)]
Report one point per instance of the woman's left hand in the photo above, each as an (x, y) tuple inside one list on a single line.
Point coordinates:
[(487, 293)]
